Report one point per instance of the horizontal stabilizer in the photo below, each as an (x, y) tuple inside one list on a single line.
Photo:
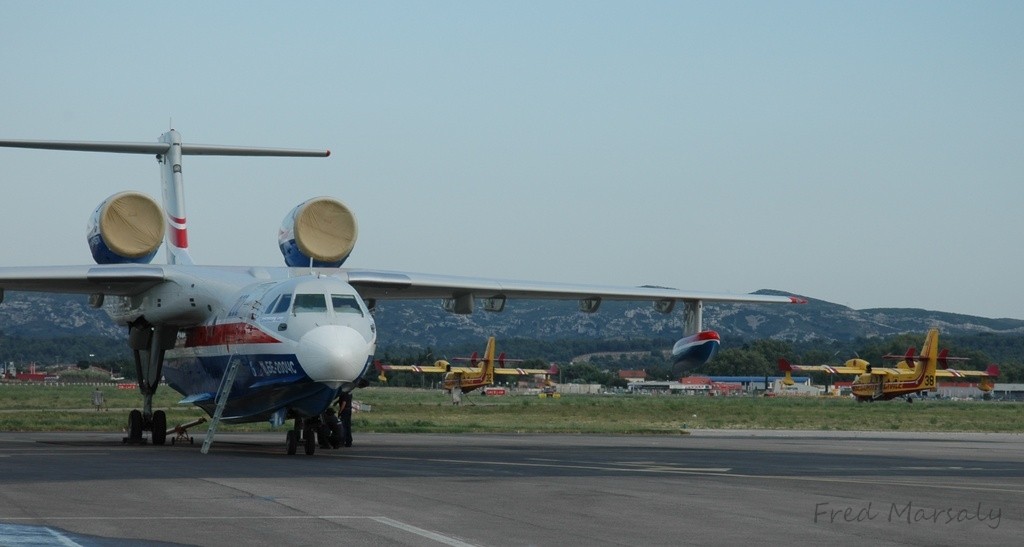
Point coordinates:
[(161, 148)]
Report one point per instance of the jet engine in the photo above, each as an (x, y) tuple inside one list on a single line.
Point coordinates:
[(319, 232), (126, 228)]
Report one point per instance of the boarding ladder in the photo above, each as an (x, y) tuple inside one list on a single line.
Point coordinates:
[(222, 400)]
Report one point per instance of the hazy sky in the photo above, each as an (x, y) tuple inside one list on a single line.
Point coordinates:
[(864, 153)]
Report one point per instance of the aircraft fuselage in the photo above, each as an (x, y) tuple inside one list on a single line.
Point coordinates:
[(299, 338)]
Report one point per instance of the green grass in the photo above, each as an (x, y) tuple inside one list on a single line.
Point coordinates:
[(68, 408)]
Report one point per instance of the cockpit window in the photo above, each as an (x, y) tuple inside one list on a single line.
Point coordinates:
[(345, 303), (282, 304), (307, 303)]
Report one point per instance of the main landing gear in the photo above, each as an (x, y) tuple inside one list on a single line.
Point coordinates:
[(149, 343), (156, 425)]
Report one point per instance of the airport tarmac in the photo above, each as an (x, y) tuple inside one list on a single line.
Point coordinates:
[(708, 488)]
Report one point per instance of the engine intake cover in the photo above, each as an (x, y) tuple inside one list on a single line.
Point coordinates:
[(321, 231), (126, 228)]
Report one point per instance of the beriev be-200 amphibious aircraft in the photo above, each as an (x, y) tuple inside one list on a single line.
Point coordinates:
[(259, 343)]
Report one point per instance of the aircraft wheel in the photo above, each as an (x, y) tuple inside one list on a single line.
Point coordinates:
[(310, 444), (293, 442), (159, 427), (135, 425)]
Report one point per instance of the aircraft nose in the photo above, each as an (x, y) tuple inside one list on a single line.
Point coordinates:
[(333, 354)]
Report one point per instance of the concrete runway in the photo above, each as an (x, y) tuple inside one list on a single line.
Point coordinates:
[(710, 487)]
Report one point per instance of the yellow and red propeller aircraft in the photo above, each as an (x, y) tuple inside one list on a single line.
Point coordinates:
[(911, 375), (478, 374)]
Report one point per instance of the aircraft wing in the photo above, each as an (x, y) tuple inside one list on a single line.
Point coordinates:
[(520, 371), (437, 367), (116, 279), (382, 284), (956, 373), (128, 279), (831, 369), (886, 371)]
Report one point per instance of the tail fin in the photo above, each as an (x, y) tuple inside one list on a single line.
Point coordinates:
[(168, 150), (489, 352), (929, 358), (489, 361), (930, 350)]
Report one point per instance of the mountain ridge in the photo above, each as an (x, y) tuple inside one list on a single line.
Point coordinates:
[(422, 323)]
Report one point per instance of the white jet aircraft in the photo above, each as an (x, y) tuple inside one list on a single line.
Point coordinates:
[(260, 343)]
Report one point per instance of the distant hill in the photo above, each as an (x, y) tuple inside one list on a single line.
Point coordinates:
[(41, 315), (423, 323)]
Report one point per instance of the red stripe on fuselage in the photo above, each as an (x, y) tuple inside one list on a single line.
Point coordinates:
[(228, 333)]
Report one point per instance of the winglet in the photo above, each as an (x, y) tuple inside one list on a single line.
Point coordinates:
[(784, 365), (992, 370), (380, 368)]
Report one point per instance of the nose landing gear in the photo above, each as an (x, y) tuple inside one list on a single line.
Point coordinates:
[(304, 432)]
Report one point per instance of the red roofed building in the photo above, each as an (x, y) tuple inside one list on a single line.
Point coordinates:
[(633, 375)]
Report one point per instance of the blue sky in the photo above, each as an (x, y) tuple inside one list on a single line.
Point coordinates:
[(865, 153)]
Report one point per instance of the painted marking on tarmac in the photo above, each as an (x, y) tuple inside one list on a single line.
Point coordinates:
[(447, 540), (941, 468), (33, 454), (19, 534), (654, 468), (632, 467), (15, 534)]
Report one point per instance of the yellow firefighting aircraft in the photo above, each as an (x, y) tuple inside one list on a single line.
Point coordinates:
[(478, 374), (911, 375)]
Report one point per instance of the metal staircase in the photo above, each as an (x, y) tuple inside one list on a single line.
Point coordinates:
[(223, 391)]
